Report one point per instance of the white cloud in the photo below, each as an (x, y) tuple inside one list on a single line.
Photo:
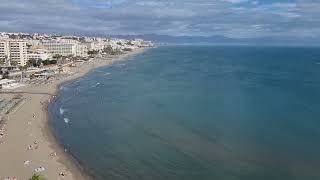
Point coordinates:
[(232, 18)]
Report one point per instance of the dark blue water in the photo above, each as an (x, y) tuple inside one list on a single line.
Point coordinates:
[(197, 113)]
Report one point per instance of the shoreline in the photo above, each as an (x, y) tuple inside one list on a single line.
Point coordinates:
[(70, 159), (41, 129)]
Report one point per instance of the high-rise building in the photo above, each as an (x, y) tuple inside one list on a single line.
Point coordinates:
[(4, 49), (14, 50), (18, 52)]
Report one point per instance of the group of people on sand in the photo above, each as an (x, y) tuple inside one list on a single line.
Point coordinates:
[(41, 169), (34, 146)]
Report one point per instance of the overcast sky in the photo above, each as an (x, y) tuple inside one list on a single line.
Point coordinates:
[(230, 18)]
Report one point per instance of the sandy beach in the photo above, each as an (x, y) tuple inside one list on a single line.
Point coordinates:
[(29, 144)]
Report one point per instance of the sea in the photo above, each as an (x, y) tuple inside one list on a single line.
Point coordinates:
[(196, 113)]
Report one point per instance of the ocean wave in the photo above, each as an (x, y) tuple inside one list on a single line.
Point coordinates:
[(120, 64), (107, 74), (61, 111), (93, 86), (66, 120)]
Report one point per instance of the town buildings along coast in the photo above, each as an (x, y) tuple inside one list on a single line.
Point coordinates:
[(24, 55)]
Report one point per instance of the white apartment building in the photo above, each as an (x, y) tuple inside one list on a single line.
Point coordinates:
[(18, 52), (94, 45), (61, 48), (81, 50), (90, 45), (65, 48), (99, 45), (34, 42), (15, 50)]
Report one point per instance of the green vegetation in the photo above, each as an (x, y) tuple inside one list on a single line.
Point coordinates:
[(130, 43), (109, 50), (5, 75), (127, 49), (23, 68), (14, 63), (57, 56), (37, 177), (47, 62), (2, 61), (37, 63), (33, 63), (69, 56)]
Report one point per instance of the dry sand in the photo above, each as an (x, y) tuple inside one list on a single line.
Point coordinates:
[(29, 123)]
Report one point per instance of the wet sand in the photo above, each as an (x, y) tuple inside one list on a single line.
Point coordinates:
[(29, 142)]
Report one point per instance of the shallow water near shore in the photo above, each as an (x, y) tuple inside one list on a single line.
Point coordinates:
[(196, 112)]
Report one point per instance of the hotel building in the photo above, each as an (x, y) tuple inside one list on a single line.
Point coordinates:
[(65, 48), (60, 48)]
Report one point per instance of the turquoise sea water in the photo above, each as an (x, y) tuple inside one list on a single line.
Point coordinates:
[(197, 113)]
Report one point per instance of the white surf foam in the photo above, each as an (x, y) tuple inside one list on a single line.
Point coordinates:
[(61, 111), (93, 86), (66, 120), (120, 64)]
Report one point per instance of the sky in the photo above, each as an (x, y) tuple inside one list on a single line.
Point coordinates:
[(228, 18)]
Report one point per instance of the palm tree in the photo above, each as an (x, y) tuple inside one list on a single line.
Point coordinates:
[(5, 75), (37, 177), (12, 63)]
